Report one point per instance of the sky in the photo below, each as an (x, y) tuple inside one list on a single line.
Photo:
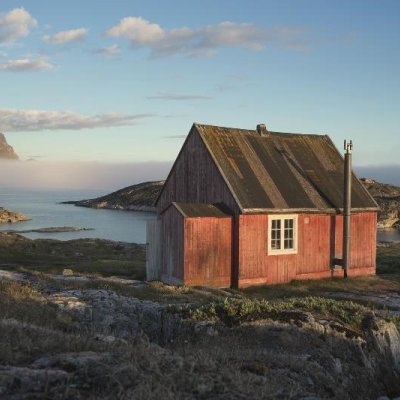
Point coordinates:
[(119, 83)]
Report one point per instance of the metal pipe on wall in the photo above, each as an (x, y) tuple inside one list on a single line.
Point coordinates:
[(348, 147)]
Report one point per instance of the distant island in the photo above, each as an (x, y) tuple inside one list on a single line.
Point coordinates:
[(56, 229), (142, 197)]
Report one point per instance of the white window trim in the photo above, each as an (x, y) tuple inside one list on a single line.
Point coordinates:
[(282, 217)]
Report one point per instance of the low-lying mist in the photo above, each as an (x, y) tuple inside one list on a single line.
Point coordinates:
[(113, 176), (79, 175)]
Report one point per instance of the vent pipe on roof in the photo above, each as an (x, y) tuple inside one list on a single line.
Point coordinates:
[(348, 147), (262, 130)]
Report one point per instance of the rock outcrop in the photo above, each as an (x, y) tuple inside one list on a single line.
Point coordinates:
[(388, 198), (10, 217), (140, 197), (6, 151)]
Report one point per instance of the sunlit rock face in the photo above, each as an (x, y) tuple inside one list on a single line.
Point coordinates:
[(6, 151)]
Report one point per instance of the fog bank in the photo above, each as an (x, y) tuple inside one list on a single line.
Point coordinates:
[(108, 177), (79, 175)]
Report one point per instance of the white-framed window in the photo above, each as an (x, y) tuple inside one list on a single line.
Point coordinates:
[(282, 234)]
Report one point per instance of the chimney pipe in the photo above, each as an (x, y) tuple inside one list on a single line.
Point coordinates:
[(262, 130), (348, 147)]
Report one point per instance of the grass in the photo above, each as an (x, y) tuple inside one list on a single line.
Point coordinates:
[(388, 258), (236, 311), (84, 256)]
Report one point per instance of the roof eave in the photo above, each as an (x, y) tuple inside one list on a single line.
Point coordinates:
[(306, 210)]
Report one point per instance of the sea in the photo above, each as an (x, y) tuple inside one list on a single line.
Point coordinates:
[(45, 211)]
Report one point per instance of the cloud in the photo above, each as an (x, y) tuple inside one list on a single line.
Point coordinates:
[(109, 51), (74, 35), (224, 87), (178, 96), (12, 120), (27, 64), (15, 24), (203, 41)]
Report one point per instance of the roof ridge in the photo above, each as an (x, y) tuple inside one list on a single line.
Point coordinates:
[(253, 131)]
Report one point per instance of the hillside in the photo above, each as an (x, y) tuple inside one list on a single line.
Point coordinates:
[(388, 198), (6, 151), (141, 197), (78, 321)]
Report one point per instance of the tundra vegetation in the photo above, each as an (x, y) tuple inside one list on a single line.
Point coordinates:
[(79, 321)]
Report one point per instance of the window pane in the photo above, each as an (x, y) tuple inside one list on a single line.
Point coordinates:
[(275, 244), (276, 224), (289, 223), (288, 244)]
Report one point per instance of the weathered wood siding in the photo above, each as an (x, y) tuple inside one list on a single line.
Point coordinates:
[(172, 246), (153, 250), (362, 242), (195, 178), (319, 242), (207, 258)]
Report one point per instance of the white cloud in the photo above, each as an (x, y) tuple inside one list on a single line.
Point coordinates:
[(138, 30), (109, 51), (27, 64), (203, 41), (73, 35), (15, 24), (12, 120)]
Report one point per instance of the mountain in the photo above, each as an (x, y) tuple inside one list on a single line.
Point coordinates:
[(6, 151), (388, 198), (140, 197)]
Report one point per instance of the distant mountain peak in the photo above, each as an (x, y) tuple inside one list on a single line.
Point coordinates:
[(7, 151)]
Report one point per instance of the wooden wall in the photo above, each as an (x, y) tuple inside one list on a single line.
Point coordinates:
[(319, 242), (153, 249), (195, 178), (172, 241), (362, 242), (207, 250)]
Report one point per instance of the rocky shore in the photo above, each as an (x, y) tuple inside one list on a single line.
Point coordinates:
[(10, 217), (388, 198)]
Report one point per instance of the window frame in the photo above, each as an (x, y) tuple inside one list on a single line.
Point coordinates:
[(281, 218)]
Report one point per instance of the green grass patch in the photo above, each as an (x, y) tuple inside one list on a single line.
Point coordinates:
[(236, 311)]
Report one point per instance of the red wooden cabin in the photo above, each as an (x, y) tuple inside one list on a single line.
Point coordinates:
[(244, 207)]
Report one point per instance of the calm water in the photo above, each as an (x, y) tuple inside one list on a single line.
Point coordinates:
[(126, 226), (390, 235), (42, 207)]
